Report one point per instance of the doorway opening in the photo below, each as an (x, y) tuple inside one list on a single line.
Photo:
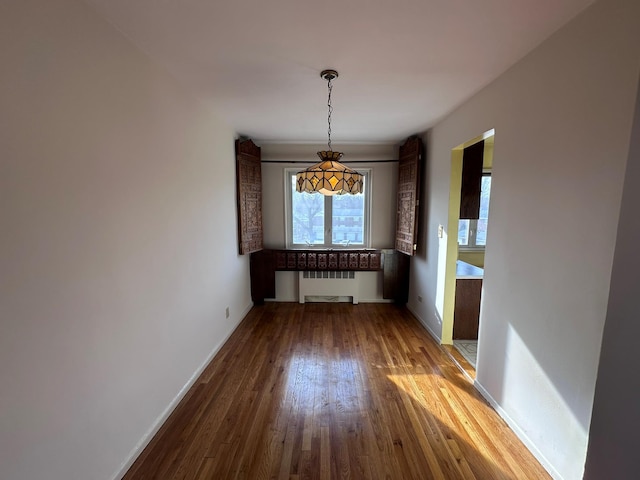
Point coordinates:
[(469, 198)]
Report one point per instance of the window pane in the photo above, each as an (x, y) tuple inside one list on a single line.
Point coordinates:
[(485, 193), (481, 232), (463, 232), (347, 224), (315, 219), (308, 216)]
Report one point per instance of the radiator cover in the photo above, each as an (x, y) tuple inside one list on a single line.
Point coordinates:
[(328, 283)]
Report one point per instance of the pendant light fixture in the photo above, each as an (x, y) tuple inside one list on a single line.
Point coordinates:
[(329, 176)]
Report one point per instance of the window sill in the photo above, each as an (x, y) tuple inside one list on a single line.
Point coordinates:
[(471, 249), (335, 247)]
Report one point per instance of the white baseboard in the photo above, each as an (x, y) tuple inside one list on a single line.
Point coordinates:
[(425, 325), (142, 444), (295, 300), (375, 300), (531, 446)]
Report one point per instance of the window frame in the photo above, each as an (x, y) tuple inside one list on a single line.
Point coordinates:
[(328, 214)]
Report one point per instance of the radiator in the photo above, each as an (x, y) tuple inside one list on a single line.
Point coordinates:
[(328, 284)]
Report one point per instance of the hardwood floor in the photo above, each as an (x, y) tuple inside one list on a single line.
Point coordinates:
[(333, 391)]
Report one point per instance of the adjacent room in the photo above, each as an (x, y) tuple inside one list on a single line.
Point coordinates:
[(361, 239)]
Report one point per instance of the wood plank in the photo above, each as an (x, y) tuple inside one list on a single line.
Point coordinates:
[(311, 391), (465, 367)]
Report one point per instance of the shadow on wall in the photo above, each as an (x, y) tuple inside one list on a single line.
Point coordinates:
[(423, 207)]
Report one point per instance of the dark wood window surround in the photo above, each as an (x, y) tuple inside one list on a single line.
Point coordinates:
[(264, 263)]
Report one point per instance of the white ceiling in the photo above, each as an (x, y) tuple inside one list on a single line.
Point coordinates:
[(403, 64)]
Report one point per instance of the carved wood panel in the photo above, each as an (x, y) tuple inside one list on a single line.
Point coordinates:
[(333, 261), (409, 168), (291, 260), (302, 261), (321, 260), (249, 183)]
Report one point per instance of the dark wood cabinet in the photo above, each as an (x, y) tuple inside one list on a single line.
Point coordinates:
[(472, 160), (395, 279), (265, 263), (466, 314)]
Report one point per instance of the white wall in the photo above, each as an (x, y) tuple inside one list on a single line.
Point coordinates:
[(562, 119), (117, 241), (384, 173), (615, 421)]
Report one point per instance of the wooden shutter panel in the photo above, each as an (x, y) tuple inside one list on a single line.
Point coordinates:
[(409, 167), (249, 185), (472, 159)]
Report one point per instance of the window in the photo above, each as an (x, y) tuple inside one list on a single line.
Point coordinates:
[(472, 234), (332, 221)]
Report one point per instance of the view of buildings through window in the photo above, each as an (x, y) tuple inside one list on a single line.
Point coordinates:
[(473, 233), (337, 220)]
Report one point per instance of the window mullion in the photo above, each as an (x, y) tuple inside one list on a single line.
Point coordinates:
[(473, 228), (297, 224)]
